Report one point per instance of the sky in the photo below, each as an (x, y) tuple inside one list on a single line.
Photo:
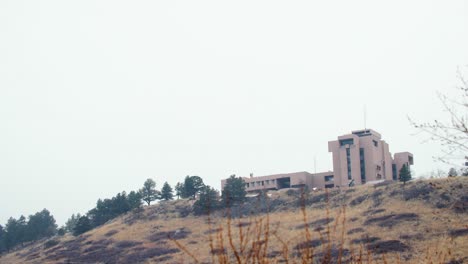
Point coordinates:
[(98, 96)]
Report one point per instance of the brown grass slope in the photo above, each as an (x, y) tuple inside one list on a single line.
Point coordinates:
[(423, 222)]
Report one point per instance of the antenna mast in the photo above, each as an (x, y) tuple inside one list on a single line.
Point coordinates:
[(365, 117), (315, 164)]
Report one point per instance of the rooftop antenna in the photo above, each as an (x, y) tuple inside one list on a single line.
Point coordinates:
[(315, 164), (365, 117)]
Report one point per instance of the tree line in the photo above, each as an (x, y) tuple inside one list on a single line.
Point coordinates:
[(23, 230), (42, 224)]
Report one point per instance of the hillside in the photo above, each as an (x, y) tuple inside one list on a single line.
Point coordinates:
[(422, 222)]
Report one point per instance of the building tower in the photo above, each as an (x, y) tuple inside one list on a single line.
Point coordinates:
[(363, 156)]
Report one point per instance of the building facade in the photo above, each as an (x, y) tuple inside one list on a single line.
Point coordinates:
[(358, 158)]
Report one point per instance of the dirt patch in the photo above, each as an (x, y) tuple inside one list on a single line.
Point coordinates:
[(392, 219), (386, 246)]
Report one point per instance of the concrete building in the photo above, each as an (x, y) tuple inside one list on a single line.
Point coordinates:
[(358, 158), (363, 156)]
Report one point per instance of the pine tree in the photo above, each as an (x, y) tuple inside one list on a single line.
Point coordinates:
[(405, 174), (2, 240), (134, 199), (83, 225), (149, 192), (71, 222), (166, 192), (207, 202), (192, 186), (233, 191), (179, 188)]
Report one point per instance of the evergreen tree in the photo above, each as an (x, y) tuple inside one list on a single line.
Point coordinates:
[(166, 192), (405, 174), (134, 199), (71, 222), (83, 225), (233, 191), (2, 240), (61, 231), (179, 188), (207, 202), (149, 192), (40, 225), (15, 232), (192, 186)]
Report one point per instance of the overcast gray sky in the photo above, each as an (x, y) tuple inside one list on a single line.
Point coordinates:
[(97, 96)]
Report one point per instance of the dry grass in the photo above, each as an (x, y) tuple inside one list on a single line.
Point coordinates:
[(382, 226)]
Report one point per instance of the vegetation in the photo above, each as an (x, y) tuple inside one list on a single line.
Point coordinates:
[(82, 225), (167, 192), (191, 187), (71, 222), (179, 188), (363, 224), (207, 202), (405, 174), (19, 231), (451, 133), (149, 192), (234, 191), (452, 172)]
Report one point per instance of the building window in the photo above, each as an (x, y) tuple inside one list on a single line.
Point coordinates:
[(375, 142), (379, 177), (247, 185), (348, 141), (348, 162), (363, 165), (329, 178), (331, 185), (263, 183), (394, 172), (378, 167), (267, 182)]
